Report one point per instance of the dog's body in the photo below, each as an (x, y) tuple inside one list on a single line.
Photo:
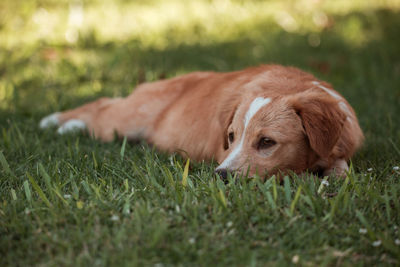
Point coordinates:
[(267, 118)]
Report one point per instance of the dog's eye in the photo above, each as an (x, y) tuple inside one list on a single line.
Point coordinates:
[(231, 137), (265, 143)]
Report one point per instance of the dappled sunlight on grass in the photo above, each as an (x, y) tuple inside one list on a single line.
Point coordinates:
[(161, 23), (58, 54)]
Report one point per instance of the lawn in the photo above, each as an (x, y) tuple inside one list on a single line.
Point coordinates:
[(71, 200)]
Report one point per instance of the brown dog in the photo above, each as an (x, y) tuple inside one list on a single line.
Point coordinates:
[(262, 120)]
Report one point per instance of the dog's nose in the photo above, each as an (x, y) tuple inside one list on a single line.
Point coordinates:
[(222, 173)]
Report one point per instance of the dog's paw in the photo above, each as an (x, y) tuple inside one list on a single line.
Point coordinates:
[(50, 120), (73, 125), (339, 168)]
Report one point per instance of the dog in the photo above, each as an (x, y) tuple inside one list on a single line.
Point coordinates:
[(261, 120)]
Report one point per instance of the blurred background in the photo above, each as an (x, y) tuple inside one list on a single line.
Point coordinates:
[(57, 54)]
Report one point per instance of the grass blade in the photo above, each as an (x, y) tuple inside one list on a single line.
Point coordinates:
[(86, 187), (168, 174), (271, 201), (20, 136), (27, 190), (38, 190), (122, 153), (60, 197), (95, 165), (13, 194), (4, 164), (221, 196), (274, 189), (296, 198), (335, 202), (6, 139), (288, 194), (75, 189), (46, 178), (185, 173), (394, 146)]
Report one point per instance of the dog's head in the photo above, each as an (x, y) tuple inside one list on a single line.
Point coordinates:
[(266, 135)]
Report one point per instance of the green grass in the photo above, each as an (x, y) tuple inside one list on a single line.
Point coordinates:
[(71, 200)]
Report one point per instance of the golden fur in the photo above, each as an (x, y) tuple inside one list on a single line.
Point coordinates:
[(313, 127)]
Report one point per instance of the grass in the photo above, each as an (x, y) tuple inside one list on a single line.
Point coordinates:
[(70, 200)]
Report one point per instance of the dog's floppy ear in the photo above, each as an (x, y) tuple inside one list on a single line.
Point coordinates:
[(226, 121), (322, 120), (228, 108)]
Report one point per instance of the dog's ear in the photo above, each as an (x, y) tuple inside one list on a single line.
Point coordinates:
[(226, 122), (227, 110), (322, 120), (226, 113)]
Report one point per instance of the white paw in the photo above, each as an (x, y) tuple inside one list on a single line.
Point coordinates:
[(339, 168), (71, 126), (50, 120)]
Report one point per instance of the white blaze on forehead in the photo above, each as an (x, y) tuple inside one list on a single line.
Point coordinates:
[(255, 106), (332, 93)]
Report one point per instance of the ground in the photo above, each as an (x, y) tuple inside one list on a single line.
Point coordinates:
[(71, 200)]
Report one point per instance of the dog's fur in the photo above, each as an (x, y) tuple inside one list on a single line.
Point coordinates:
[(262, 120)]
